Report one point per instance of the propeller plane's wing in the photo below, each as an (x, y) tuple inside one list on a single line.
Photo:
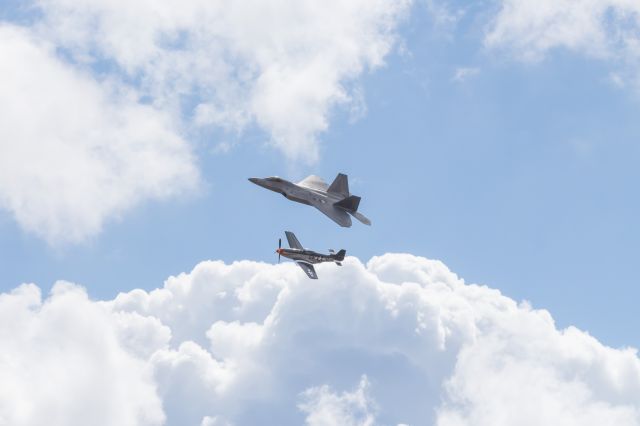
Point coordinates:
[(293, 241), (308, 269)]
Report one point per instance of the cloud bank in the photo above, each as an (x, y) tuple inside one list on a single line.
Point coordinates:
[(399, 340)]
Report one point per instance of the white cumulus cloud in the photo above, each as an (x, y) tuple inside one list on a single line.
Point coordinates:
[(399, 340), (74, 152), (324, 407), (280, 64), (63, 363)]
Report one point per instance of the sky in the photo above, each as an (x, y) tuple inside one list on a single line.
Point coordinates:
[(495, 148)]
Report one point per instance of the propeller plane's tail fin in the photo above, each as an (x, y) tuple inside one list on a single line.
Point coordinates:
[(293, 241)]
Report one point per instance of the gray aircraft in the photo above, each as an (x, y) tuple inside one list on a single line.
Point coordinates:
[(333, 200), (306, 258)]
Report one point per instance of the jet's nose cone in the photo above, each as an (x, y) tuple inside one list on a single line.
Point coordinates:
[(261, 182)]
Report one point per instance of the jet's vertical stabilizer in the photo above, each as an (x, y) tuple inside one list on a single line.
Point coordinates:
[(340, 185)]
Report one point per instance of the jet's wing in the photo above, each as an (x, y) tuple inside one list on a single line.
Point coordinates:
[(308, 269), (293, 241), (339, 216)]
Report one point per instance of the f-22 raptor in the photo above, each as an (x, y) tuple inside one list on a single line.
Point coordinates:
[(333, 200), (306, 258)]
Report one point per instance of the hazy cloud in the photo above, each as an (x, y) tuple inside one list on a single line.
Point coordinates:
[(604, 29), (464, 73)]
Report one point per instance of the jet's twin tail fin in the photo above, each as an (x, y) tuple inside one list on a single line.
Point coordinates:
[(349, 203), (339, 256), (340, 185)]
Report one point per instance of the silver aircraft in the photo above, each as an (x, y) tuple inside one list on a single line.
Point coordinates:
[(333, 200), (306, 258)]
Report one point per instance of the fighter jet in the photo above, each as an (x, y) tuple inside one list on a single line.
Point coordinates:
[(333, 200), (306, 258)]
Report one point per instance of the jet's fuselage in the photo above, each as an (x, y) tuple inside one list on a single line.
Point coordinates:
[(333, 200), (295, 192)]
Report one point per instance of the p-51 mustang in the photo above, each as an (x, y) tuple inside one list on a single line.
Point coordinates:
[(306, 258)]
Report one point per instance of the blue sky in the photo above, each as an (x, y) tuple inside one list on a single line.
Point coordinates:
[(493, 143), (521, 177)]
